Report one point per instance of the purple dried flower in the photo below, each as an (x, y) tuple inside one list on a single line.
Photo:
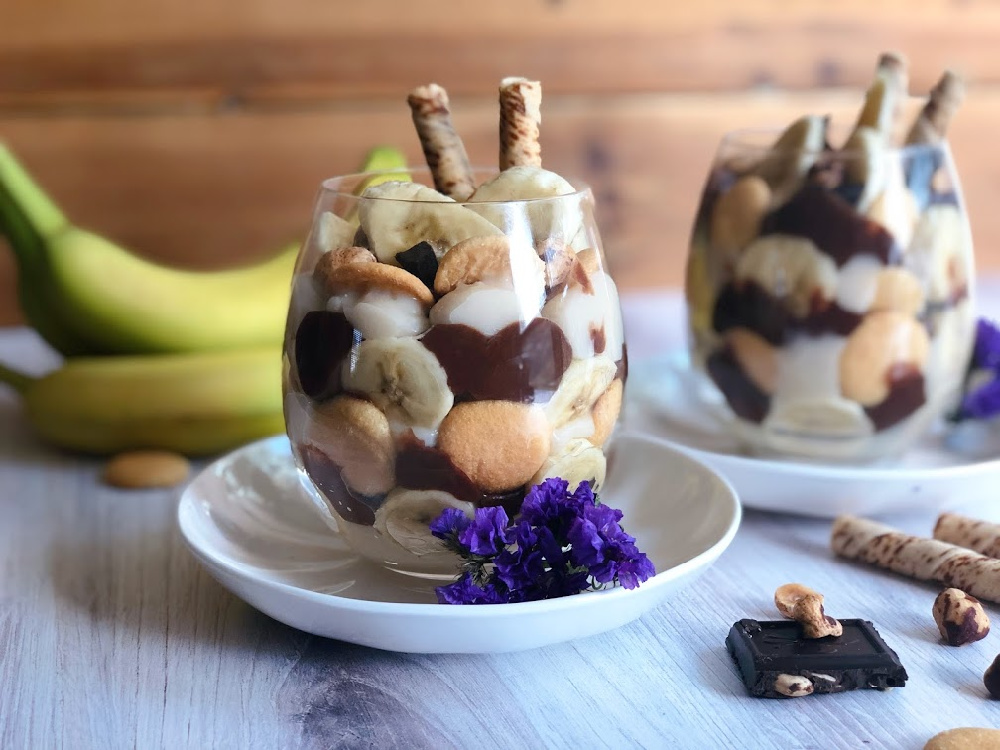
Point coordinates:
[(561, 543), (487, 534), (450, 524), (465, 591), (986, 353), (983, 400)]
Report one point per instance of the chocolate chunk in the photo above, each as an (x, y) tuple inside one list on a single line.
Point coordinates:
[(322, 341), (768, 653), (906, 395), (326, 475), (421, 261), (833, 225), (745, 399)]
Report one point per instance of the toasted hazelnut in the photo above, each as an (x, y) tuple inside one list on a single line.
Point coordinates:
[(991, 679), (960, 617), (786, 597), (793, 685), (808, 612)]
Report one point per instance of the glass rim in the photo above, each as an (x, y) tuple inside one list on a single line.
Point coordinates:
[(741, 139), (330, 186)]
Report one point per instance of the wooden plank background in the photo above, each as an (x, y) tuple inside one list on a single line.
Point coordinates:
[(197, 132)]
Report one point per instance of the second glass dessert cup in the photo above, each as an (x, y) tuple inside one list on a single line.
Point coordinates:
[(446, 355), (830, 294)]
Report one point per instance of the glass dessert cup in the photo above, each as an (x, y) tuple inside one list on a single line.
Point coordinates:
[(830, 295), (441, 354)]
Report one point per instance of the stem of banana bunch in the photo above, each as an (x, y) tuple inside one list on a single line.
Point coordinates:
[(16, 380), (18, 190)]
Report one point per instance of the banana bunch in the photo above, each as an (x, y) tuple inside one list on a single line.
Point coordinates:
[(156, 357)]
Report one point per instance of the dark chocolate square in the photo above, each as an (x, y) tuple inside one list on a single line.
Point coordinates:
[(857, 659)]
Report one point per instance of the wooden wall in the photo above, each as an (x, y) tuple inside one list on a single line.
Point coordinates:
[(196, 132)]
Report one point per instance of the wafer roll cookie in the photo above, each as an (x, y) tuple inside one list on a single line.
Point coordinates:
[(944, 100), (884, 98), (443, 149), (916, 557), (520, 117), (981, 536)]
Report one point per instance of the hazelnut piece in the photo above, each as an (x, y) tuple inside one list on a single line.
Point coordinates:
[(787, 595), (805, 606), (792, 685), (991, 679), (808, 612), (960, 617)]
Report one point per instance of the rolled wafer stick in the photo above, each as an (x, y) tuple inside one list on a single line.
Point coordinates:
[(917, 557), (884, 99), (971, 533), (944, 100), (442, 146), (520, 117)]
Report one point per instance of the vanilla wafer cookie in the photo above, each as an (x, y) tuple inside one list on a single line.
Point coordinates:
[(971, 533), (916, 557), (944, 100), (443, 148), (520, 117)]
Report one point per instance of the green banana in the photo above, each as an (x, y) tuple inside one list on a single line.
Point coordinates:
[(111, 301), (195, 403), (86, 295)]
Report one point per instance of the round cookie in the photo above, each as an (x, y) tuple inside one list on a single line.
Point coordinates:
[(143, 469), (737, 214), (605, 412), (484, 259), (498, 444), (884, 341), (898, 289), (354, 434), (558, 258), (363, 277)]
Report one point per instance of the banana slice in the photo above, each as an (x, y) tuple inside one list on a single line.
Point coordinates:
[(590, 318), (487, 306), (578, 461), (940, 251), (785, 165), (402, 378), (867, 165), (405, 517), (562, 219), (381, 314), (333, 232), (395, 216), (789, 267), (581, 385)]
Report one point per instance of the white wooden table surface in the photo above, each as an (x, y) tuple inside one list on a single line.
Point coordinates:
[(112, 636)]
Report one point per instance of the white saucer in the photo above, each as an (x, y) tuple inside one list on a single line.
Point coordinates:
[(948, 466), (249, 520)]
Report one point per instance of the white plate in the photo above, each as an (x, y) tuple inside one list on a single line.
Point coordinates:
[(948, 466), (250, 521)]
